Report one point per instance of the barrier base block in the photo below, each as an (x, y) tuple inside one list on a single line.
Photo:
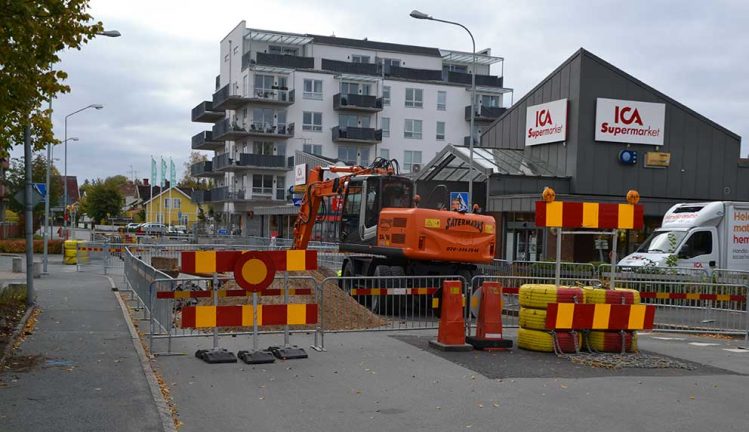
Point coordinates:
[(256, 357), (444, 347), (216, 356), (489, 344), (288, 353)]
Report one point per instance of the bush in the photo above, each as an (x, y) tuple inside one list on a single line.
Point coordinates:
[(19, 246)]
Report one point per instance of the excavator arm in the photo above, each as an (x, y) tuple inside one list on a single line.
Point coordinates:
[(318, 188)]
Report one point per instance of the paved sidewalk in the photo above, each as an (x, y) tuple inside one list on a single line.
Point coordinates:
[(89, 377)]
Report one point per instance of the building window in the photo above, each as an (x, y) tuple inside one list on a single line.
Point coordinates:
[(315, 149), (385, 153), (347, 154), (280, 188), (412, 129), (355, 58), (488, 100), (177, 203), (386, 95), (166, 203), (455, 68), (388, 62), (262, 148), (262, 184), (414, 98), (275, 49), (236, 49), (354, 88), (440, 131), (386, 126), (411, 158), (312, 121), (353, 120), (441, 100), (313, 89)]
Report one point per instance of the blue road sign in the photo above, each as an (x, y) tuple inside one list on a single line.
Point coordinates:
[(41, 189), (459, 201)]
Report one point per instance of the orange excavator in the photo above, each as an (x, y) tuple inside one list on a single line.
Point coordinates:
[(387, 231)]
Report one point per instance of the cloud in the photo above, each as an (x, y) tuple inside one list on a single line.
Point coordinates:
[(166, 61)]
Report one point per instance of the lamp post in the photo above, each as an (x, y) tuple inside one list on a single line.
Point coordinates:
[(65, 159), (47, 230), (421, 15)]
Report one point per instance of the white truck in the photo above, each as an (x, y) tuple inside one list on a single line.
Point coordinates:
[(706, 236)]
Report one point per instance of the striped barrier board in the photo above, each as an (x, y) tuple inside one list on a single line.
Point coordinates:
[(589, 215), (228, 293), (100, 249), (242, 315), (669, 296), (209, 262), (572, 316), (392, 291)]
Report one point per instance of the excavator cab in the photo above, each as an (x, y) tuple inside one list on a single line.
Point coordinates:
[(365, 197)]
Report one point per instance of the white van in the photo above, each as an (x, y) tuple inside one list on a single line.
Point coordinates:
[(705, 236)]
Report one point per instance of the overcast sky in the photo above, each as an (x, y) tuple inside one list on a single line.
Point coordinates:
[(167, 58)]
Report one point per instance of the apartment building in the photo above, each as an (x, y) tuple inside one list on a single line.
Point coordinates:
[(352, 100)]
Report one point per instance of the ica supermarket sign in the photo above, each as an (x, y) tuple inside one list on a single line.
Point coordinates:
[(630, 121), (546, 123)]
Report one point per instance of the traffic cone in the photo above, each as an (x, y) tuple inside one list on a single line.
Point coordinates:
[(489, 327), (451, 333)]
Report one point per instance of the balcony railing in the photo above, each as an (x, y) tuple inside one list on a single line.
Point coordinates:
[(274, 96), (205, 113), (204, 141), (415, 74), (285, 61), (268, 130), (226, 130), (248, 161), (357, 102), (357, 135), (222, 161), (201, 196), (225, 193), (202, 169), (348, 67), (225, 99), (485, 113), (481, 80)]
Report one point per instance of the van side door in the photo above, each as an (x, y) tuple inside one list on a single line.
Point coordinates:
[(699, 250)]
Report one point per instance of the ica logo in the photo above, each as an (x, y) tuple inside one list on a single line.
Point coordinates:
[(543, 117), (625, 115)]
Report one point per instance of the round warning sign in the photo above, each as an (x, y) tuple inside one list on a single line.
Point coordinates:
[(254, 271)]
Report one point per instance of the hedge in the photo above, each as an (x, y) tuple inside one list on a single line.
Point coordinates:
[(19, 246)]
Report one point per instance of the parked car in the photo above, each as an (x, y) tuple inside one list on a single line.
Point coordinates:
[(153, 228), (132, 227), (177, 230)]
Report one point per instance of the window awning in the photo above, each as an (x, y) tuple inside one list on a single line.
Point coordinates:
[(278, 38), (462, 57)]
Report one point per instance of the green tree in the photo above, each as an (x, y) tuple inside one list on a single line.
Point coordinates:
[(15, 180), (32, 33), (103, 199), (190, 182)]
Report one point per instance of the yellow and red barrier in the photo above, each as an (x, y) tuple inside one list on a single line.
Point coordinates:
[(572, 316), (558, 214), (242, 315)]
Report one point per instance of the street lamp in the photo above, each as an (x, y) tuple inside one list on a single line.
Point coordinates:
[(110, 33), (47, 233), (421, 15), (65, 144)]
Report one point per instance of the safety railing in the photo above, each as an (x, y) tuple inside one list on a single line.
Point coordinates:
[(100, 256)]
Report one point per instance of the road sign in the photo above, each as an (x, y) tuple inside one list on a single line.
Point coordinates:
[(36, 198), (459, 201), (41, 189)]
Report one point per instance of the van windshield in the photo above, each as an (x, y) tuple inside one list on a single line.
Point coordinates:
[(662, 242)]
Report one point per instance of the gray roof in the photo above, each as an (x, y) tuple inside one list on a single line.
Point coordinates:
[(374, 45), (452, 164)]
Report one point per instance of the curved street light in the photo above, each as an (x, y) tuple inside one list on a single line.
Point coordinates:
[(421, 15), (110, 33)]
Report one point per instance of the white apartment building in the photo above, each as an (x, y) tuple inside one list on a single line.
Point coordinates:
[(283, 99)]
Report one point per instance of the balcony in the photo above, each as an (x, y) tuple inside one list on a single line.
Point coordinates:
[(267, 130), (350, 68), (224, 193), (285, 61), (226, 99), (205, 113), (273, 96), (481, 80), (201, 196), (357, 102), (249, 161), (224, 131), (414, 74), (357, 135), (204, 169), (485, 114), (204, 141)]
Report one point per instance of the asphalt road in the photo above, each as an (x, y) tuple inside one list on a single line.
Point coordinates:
[(380, 382)]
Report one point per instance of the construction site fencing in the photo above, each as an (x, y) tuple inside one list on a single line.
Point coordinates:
[(686, 274), (383, 303), (102, 257)]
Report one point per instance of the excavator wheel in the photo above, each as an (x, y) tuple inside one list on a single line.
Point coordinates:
[(378, 304)]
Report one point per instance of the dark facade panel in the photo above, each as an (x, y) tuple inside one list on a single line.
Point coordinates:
[(509, 185)]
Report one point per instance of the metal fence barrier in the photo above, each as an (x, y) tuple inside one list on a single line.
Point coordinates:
[(100, 256)]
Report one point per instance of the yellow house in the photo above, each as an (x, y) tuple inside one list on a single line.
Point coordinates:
[(172, 207)]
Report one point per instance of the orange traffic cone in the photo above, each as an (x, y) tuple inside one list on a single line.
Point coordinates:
[(451, 333), (489, 328)]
